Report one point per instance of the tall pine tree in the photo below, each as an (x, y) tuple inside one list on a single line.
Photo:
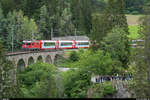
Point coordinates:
[(8, 86), (44, 23), (143, 65), (86, 19), (82, 15), (146, 31), (114, 15), (2, 22)]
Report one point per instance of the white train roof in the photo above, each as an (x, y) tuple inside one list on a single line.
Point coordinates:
[(66, 40), (56, 40), (82, 41), (27, 41), (48, 40)]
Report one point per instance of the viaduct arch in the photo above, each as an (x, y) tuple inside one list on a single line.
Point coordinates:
[(24, 59)]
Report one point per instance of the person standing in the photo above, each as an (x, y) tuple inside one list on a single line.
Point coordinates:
[(96, 79)]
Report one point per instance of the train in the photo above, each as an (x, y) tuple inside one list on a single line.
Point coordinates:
[(54, 44), (137, 43), (64, 44)]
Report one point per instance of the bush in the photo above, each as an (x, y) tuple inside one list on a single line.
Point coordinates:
[(76, 83), (80, 51), (127, 12), (108, 89), (74, 56), (117, 44), (38, 81), (135, 12), (93, 62), (103, 90)]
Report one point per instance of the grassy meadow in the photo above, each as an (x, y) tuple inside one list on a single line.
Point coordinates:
[(133, 30), (133, 22)]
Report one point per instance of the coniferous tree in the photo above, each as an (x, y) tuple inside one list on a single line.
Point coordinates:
[(66, 25), (98, 5), (2, 20), (97, 31), (82, 15), (114, 43), (135, 7), (20, 27), (44, 23), (143, 65), (8, 82), (146, 31), (75, 10), (140, 75), (3, 34), (114, 15), (53, 8), (86, 15), (7, 5), (32, 8)]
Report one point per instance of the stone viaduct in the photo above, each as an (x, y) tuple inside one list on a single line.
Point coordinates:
[(23, 59)]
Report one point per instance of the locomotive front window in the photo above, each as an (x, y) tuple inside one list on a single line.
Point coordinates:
[(28, 43), (49, 44), (66, 43), (83, 43)]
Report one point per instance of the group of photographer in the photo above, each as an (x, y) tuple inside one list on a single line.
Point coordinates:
[(105, 78)]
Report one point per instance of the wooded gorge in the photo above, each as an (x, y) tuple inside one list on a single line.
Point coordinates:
[(111, 52)]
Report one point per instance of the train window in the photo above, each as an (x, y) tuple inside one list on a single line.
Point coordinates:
[(66, 43), (49, 44), (83, 43), (28, 43), (140, 43), (133, 42)]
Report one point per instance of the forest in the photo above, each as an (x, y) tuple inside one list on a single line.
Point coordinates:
[(111, 53), (63, 17)]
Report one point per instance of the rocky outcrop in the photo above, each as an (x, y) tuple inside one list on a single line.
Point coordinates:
[(121, 87)]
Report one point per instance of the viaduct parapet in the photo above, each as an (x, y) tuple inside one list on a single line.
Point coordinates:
[(23, 59)]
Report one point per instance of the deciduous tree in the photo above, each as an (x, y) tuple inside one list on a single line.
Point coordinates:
[(114, 43), (39, 81), (21, 28)]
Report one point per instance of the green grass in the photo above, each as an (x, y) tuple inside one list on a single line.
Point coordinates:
[(134, 32), (133, 22)]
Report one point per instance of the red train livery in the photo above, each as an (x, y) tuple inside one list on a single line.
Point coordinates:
[(52, 44)]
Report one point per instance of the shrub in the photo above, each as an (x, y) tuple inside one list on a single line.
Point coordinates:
[(38, 81), (74, 56), (108, 89), (134, 12)]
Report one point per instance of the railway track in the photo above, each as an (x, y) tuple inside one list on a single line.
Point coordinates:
[(27, 52)]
